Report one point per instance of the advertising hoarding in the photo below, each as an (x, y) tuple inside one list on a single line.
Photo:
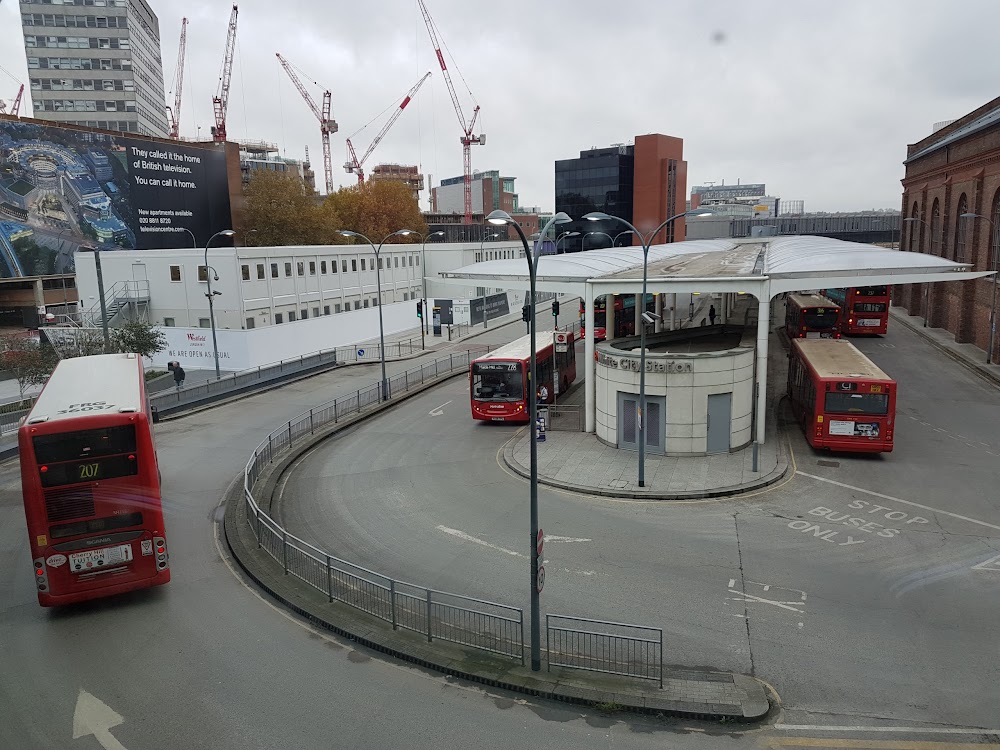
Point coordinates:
[(62, 188)]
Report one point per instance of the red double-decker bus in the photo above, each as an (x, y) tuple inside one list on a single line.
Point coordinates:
[(498, 381), (843, 400), (864, 309), (809, 316), (90, 482), (624, 315)]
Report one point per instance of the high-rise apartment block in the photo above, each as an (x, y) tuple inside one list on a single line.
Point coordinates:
[(95, 63)]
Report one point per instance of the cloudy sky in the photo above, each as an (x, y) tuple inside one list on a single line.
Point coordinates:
[(817, 100)]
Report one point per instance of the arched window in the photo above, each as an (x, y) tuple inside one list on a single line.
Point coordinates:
[(936, 228), (914, 229), (990, 262), (962, 229)]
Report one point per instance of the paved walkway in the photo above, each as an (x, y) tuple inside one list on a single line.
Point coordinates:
[(968, 355)]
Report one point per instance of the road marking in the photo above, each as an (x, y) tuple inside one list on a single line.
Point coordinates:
[(802, 742), (477, 540), (437, 412), (732, 582), (752, 598), (992, 564), (898, 500), (565, 539), (94, 716), (856, 728)]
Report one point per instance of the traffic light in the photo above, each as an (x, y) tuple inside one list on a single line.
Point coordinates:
[(526, 313), (555, 308), (420, 309)]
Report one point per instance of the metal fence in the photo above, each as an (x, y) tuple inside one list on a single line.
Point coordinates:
[(327, 357), (440, 615), (566, 417), (601, 646)]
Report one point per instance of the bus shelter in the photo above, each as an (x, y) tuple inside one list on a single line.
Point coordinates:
[(764, 267)]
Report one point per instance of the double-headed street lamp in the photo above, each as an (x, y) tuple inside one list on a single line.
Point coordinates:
[(615, 242), (493, 236), (927, 285), (502, 217), (993, 307), (211, 296), (561, 236), (378, 283), (601, 216), (587, 234)]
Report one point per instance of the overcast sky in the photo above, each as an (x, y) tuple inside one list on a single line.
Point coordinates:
[(817, 100)]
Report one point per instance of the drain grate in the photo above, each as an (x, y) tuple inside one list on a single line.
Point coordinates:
[(831, 464)]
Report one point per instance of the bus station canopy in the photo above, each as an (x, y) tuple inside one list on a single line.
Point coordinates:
[(762, 266)]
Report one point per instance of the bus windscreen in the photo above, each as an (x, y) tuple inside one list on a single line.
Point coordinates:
[(857, 403), (67, 446), (497, 381)]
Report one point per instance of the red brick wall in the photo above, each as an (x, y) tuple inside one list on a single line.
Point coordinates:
[(649, 199)]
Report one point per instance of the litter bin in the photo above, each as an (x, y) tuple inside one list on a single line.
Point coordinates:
[(156, 414)]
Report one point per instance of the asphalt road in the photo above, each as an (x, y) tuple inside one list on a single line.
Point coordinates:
[(207, 663), (882, 617)]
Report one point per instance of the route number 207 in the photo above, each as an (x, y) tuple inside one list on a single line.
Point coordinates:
[(89, 471)]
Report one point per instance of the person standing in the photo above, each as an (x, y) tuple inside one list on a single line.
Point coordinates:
[(711, 314), (543, 394), (178, 375)]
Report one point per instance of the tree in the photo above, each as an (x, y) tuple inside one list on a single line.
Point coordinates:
[(376, 208), (25, 359), (281, 211), (82, 342), (139, 337)]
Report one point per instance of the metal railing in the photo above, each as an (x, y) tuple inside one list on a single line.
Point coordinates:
[(601, 646), (331, 357), (477, 623)]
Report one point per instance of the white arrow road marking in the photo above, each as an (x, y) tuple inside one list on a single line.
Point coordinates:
[(439, 410), (94, 716), (565, 539), (992, 564), (477, 540)]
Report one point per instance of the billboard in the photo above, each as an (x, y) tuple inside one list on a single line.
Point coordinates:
[(62, 188), (728, 192), (495, 304)]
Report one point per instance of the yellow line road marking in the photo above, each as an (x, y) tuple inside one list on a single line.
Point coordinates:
[(805, 742)]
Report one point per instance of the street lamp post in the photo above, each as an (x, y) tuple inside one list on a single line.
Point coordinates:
[(378, 284), (211, 297), (423, 283), (993, 307), (194, 241), (482, 256), (615, 242), (561, 236), (587, 234), (927, 286), (502, 217), (601, 216)]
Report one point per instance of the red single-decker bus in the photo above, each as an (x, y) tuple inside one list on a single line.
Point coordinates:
[(843, 400), (624, 315), (864, 309), (90, 483), (498, 381), (810, 316)]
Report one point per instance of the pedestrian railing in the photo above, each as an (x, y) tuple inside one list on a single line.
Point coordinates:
[(601, 646), (440, 615), (565, 417)]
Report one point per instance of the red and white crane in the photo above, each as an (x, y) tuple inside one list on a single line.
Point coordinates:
[(220, 102), (327, 124), (354, 164), (16, 108), (174, 114), (468, 139)]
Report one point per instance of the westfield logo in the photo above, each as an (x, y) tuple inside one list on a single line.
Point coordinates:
[(195, 337)]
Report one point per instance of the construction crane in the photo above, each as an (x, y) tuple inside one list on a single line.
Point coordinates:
[(327, 124), (468, 139), (220, 102), (16, 107), (174, 115), (354, 164)]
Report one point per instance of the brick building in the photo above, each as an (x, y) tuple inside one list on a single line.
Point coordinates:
[(955, 171), (490, 191)]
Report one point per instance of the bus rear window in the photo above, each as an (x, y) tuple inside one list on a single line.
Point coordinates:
[(67, 446), (95, 525), (869, 307), (88, 470), (820, 318), (856, 403), (872, 291)]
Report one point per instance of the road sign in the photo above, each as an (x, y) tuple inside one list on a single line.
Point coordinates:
[(561, 341), (539, 542), (361, 352), (540, 580)]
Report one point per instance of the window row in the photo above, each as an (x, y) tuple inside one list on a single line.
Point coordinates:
[(85, 3), (503, 254), (78, 63), (324, 268), (82, 105), (75, 42), (81, 84), (123, 126), (73, 22)]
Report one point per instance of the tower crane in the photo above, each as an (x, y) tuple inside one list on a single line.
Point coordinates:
[(220, 102), (16, 107), (468, 139), (174, 115), (354, 164), (327, 124)]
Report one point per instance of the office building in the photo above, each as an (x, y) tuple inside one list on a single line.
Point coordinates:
[(490, 192), (408, 175), (96, 64), (644, 183)]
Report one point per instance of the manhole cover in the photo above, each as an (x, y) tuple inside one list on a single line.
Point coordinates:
[(832, 464), (618, 484)]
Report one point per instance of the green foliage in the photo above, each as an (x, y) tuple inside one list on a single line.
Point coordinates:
[(139, 337), (26, 360)]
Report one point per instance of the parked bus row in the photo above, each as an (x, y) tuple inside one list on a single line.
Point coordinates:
[(836, 312)]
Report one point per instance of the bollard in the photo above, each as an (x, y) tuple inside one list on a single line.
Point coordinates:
[(755, 452)]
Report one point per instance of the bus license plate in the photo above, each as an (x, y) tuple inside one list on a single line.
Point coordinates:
[(868, 322), (81, 562)]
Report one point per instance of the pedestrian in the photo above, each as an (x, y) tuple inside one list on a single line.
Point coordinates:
[(543, 394), (711, 314), (178, 375)]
